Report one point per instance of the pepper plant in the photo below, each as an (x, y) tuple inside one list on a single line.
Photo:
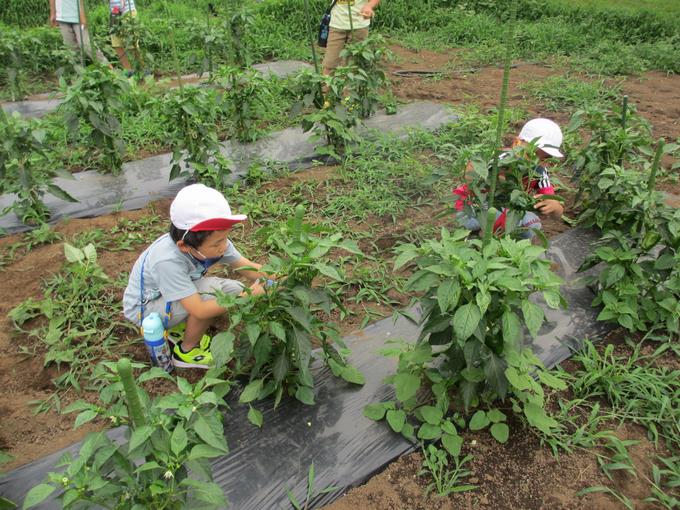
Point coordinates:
[(271, 336), (365, 75), (190, 114), (26, 169), (96, 99), (639, 285), (168, 438), (475, 305), (328, 115), (242, 101)]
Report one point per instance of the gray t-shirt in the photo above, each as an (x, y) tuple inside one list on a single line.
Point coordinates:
[(168, 274)]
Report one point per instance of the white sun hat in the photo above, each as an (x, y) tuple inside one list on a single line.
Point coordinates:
[(545, 133), (198, 208)]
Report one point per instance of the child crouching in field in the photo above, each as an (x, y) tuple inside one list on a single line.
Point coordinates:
[(546, 135), (169, 276)]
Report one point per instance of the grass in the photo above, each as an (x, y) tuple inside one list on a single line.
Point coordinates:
[(616, 385), (623, 37), (569, 93), (658, 7)]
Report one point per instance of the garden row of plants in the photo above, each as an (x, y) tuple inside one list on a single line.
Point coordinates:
[(609, 42), (103, 111)]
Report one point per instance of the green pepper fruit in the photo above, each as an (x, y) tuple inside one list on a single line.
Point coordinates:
[(650, 240)]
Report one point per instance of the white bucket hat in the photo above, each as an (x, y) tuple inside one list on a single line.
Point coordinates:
[(198, 208), (545, 133)]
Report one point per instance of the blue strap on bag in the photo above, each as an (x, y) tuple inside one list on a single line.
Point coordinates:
[(142, 302), (324, 26)]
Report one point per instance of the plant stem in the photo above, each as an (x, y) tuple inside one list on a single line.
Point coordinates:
[(624, 112), (655, 166), (499, 125), (80, 31), (173, 47), (311, 39), (134, 405), (624, 115)]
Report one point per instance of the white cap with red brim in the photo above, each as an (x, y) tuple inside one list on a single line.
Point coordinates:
[(198, 208), (545, 133)]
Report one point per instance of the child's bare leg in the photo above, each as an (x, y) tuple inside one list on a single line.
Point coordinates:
[(194, 331), (122, 57)]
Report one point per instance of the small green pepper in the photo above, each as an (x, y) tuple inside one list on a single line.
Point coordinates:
[(650, 240)]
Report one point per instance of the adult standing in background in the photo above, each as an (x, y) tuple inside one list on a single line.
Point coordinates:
[(350, 20), (69, 16), (118, 9)]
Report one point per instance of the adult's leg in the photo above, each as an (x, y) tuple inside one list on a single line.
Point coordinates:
[(122, 58), (335, 44), (88, 47), (69, 35)]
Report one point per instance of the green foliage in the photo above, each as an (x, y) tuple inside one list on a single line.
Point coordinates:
[(243, 100), (31, 239), (331, 118), (176, 434), (76, 320), (271, 336), (364, 76), (26, 168), (191, 114), (475, 300), (474, 308), (639, 284), (95, 99), (636, 390), (615, 138), (567, 92), (445, 479)]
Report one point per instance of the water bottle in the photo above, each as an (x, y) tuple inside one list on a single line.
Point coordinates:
[(154, 338)]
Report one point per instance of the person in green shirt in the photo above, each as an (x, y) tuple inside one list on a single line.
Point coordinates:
[(68, 15), (350, 20)]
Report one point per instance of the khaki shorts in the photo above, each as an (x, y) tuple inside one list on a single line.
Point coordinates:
[(205, 286), (336, 42), (117, 42)]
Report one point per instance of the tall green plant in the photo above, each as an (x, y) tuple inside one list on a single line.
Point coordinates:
[(330, 117), (365, 74), (191, 113), (271, 336), (475, 306), (243, 99), (95, 99), (26, 168)]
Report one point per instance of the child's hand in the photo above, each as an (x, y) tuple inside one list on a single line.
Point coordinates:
[(549, 207), (367, 12)]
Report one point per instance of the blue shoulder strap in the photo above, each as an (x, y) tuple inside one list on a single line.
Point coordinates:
[(142, 301)]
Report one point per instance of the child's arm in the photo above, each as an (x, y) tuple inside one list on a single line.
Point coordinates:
[(251, 275), (547, 206), (550, 208)]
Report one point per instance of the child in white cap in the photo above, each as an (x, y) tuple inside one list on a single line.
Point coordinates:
[(169, 276), (546, 135)]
